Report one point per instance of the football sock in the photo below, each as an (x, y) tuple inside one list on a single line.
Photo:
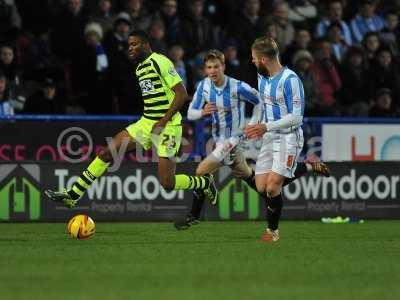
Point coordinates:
[(300, 171), (186, 182), (94, 170), (251, 181), (198, 202), (274, 209)]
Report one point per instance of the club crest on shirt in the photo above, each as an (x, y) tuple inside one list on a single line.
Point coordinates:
[(146, 86), (296, 102), (268, 99), (172, 71)]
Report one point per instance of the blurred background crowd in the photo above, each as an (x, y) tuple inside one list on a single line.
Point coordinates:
[(70, 56)]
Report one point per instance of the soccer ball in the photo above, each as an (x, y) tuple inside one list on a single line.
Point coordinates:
[(81, 227)]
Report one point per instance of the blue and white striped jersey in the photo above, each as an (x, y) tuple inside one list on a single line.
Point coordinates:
[(229, 120), (282, 94), (322, 30), (361, 25)]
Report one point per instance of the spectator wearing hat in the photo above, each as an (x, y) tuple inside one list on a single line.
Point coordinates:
[(302, 61), (117, 40), (366, 20), (104, 15), (335, 14), (124, 86), (89, 72), (46, 100), (354, 94), (383, 107)]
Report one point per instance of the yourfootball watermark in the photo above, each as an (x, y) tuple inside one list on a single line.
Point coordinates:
[(75, 145), (70, 144)]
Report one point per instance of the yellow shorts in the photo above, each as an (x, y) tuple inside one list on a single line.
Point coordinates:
[(167, 143)]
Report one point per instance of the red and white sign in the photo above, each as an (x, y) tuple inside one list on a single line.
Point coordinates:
[(360, 142)]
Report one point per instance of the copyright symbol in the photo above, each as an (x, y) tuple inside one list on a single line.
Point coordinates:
[(71, 137)]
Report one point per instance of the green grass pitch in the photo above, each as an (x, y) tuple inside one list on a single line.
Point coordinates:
[(214, 260)]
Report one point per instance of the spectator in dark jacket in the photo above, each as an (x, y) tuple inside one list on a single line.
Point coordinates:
[(301, 41), (6, 107), (233, 66), (196, 32), (8, 65), (10, 20), (338, 43), (46, 100), (354, 95), (169, 15), (384, 74), (157, 36), (104, 15), (302, 62), (123, 83), (371, 44), (246, 26), (390, 35), (139, 17), (90, 73), (383, 107), (67, 35)]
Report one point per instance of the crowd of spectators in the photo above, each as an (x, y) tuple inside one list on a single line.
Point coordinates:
[(70, 56)]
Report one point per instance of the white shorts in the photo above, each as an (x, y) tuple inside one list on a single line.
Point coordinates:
[(229, 153), (279, 153), (225, 150)]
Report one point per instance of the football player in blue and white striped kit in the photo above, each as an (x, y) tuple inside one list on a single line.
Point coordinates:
[(223, 98), (282, 94)]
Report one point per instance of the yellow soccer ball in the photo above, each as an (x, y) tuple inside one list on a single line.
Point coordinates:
[(81, 227)]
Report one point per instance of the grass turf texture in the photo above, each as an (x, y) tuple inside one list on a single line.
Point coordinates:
[(213, 260)]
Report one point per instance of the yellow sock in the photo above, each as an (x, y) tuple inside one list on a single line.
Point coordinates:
[(96, 168), (185, 182)]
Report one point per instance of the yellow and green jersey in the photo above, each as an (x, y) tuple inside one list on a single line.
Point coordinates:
[(157, 76)]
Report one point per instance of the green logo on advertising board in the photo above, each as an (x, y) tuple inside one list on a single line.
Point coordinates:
[(234, 197), (19, 197)]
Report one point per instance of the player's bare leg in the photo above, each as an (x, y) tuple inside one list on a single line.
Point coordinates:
[(120, 144), (270, 185)]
